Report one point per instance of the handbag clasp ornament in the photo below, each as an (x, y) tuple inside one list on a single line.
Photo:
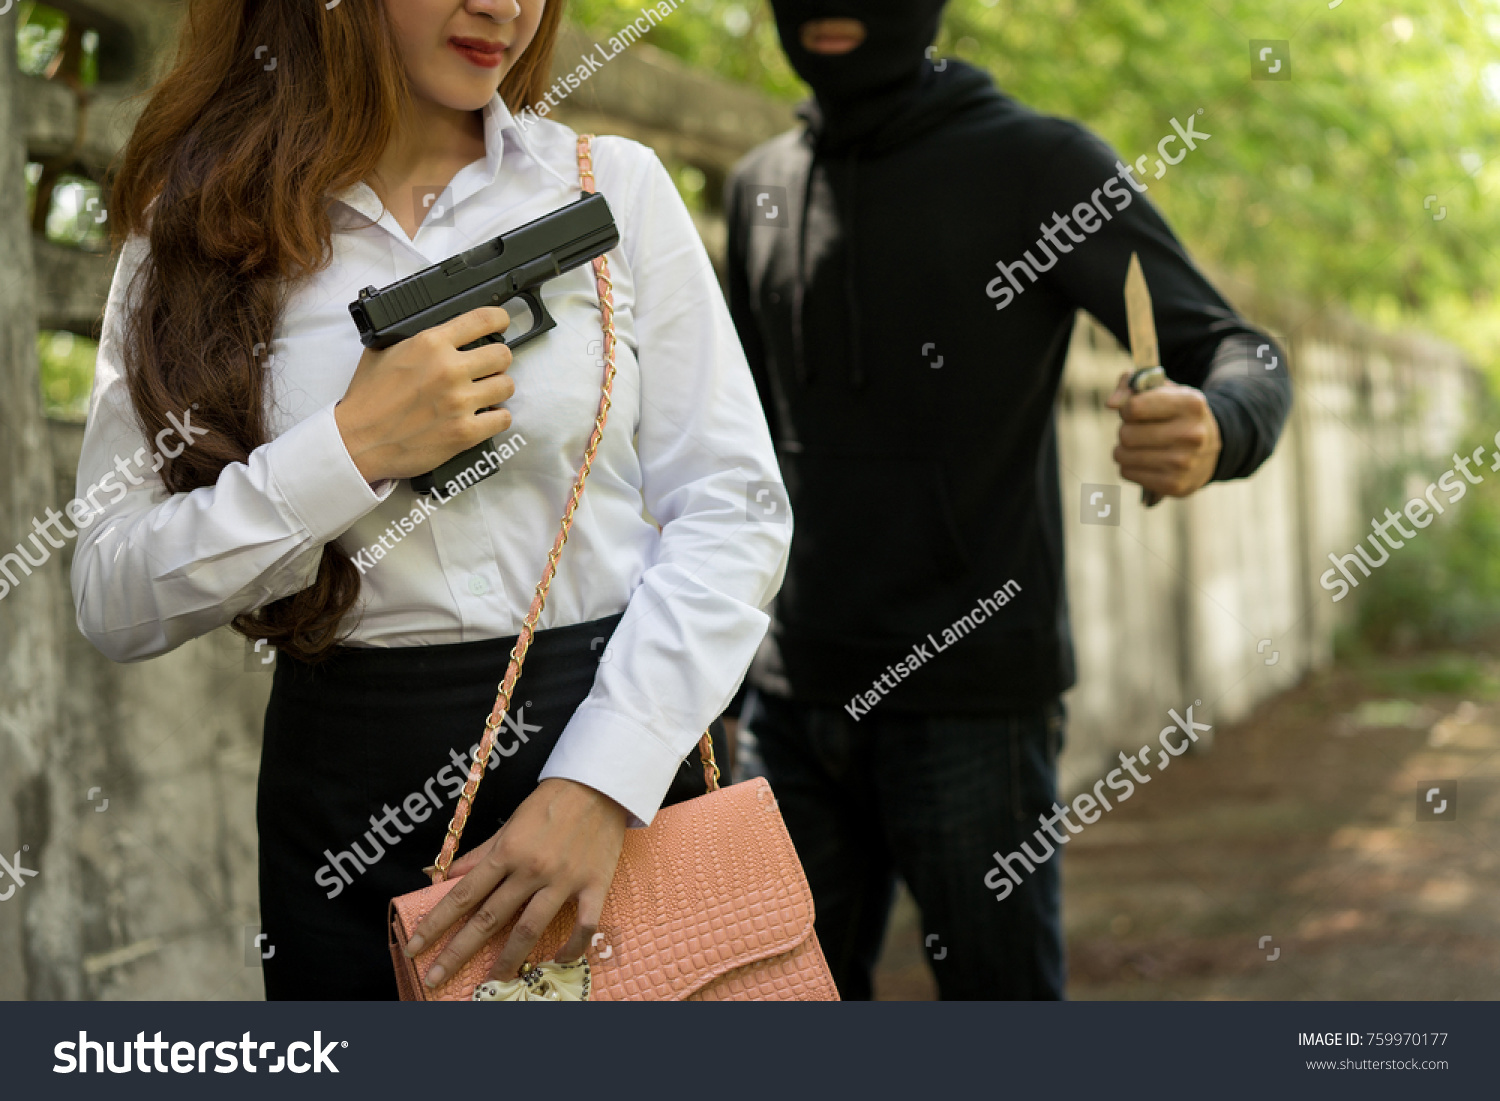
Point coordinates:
[(545, 982)]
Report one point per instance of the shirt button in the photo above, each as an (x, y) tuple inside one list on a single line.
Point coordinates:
[(478, 585)]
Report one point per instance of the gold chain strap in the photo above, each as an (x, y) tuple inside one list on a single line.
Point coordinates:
[(492, 725)]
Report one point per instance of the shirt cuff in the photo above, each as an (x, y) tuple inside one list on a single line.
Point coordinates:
[(314, 474), (617, 758), (1234, 435)]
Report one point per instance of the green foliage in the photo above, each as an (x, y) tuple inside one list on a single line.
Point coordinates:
[(1443, 587), (690, 183), (734, 38), (1424, 673), (67, 371), (1313, 186), (39, 35), (77, 216)]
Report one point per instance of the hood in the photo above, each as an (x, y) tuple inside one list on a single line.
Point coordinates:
[(839, 134), (855, 91)]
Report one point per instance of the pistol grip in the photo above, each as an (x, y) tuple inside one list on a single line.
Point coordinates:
[(454, 470), (542, 321)]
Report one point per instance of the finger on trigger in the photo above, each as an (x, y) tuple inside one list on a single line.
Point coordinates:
[(477, 323)]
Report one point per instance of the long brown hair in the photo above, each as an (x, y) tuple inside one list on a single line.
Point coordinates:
[(240, 165)]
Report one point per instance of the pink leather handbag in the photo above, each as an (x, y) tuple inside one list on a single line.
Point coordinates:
[(708, 903)]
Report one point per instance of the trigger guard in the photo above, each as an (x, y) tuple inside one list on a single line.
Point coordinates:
[(541, 320)]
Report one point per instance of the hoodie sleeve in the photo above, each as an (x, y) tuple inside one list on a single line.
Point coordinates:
[(154, 569), (1098, 213)]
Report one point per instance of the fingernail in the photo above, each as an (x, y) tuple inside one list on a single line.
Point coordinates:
[(434, 976), (415, 945), (429, 869)]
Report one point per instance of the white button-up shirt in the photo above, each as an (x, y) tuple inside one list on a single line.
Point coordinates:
[(686, 443)]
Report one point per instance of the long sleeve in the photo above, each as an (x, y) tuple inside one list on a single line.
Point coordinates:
[(694, 621), (1203, 342), (152, 569), (1250, 412)]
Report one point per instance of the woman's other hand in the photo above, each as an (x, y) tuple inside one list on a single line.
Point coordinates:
[(562, 843), (413, 406)]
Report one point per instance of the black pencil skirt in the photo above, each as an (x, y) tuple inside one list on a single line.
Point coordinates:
[(363, 758)]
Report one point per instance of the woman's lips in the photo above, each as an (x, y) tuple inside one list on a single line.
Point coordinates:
[(487, 55)]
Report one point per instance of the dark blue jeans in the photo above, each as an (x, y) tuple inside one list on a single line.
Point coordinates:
[(930, 798)]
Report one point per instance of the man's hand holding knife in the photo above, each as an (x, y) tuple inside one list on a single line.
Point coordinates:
[(1169, 441)]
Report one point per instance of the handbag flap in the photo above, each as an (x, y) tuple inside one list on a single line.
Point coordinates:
[(713, 884)]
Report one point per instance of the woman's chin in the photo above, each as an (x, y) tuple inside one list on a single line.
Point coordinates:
[(461, 95)]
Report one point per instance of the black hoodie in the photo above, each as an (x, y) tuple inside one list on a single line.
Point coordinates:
[(909, 384)]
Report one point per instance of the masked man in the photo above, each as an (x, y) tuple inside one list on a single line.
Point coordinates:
[(904, 273)]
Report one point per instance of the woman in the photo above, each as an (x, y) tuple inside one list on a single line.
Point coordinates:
[(289, 159)]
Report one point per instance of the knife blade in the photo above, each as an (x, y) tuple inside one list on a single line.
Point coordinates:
[(1138, 317), (1148, 373)]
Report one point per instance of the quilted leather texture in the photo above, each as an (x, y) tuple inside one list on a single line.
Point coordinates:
[(708, 903)]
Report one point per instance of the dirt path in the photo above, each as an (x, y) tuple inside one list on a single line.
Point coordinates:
[(1306, 824)]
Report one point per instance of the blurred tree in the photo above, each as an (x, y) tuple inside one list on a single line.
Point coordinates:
[(734, 38), (1368, 178)]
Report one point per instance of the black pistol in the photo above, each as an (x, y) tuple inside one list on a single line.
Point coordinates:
[(512, 265)]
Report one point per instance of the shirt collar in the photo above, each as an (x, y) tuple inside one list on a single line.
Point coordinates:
[(498, 122)]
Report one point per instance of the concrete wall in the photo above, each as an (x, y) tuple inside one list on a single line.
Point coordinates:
[(31, 666), (133, 784), (1216, 598), (153, 895)]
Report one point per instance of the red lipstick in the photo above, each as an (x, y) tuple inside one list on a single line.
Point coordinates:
[(477, 51)]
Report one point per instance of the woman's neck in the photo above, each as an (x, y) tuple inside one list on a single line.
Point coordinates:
[(426, 151)]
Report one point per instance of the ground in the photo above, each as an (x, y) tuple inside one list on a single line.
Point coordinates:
[(1300, 857)]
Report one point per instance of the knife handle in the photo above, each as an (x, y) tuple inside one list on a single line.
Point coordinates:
[(1148, 378)]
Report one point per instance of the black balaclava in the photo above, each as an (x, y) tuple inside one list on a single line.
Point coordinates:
[(855, 95), (856, 91)]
